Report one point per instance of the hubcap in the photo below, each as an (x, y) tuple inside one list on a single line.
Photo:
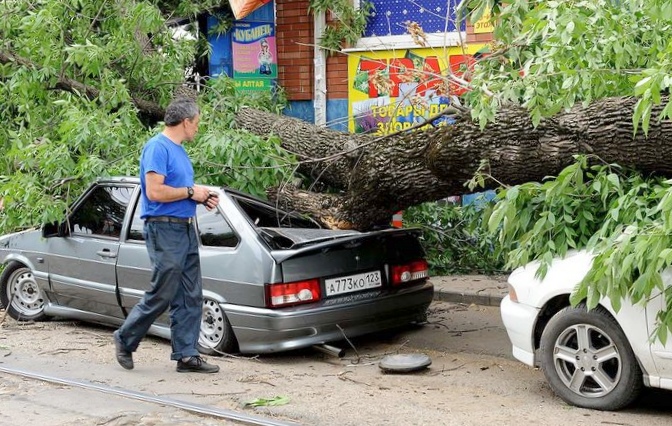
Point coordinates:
[(24, 294), (212, 324), (587, 361)]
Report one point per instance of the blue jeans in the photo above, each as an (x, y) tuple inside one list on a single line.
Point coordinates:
[(176, 283)]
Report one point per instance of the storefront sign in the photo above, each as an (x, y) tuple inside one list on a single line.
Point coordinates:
[(395, 90), (254, 55), (485, 24)]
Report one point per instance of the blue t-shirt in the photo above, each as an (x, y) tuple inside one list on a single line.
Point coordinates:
[(163, 156)]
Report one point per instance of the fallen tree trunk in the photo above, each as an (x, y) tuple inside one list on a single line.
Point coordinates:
[(371, 178), (379, 176)]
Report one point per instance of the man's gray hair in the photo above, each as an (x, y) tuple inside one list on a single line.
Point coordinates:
[(180, 109)]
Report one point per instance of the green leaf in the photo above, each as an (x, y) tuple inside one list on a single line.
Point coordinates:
[(496, 218), (642, 85), (267, 402), (613, 179)]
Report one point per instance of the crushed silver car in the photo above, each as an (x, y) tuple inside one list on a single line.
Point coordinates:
[(272, 280)]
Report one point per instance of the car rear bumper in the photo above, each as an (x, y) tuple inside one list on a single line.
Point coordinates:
[(261, 330), (519, 320)]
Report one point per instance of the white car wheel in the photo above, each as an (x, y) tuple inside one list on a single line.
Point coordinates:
[(588, 361)]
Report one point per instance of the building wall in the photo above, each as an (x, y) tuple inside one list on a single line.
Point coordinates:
[(337, 91), (337, 76), (294, 32)]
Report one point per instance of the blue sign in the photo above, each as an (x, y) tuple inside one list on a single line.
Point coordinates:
[(434, 16)]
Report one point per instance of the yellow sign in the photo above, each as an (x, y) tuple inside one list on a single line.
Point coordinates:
[(485, 24), (397, 89)]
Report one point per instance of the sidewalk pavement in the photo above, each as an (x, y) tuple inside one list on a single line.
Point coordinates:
[(470, 289)]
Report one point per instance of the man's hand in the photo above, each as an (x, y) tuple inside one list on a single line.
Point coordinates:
[(208, 198), (212, 201)]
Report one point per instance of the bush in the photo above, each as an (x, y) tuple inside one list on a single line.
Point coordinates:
[(454, 239)]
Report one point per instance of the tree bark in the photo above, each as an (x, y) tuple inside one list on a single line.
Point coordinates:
[(379, 176)]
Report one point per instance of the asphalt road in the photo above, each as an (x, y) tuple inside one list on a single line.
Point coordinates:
[(473, 380)]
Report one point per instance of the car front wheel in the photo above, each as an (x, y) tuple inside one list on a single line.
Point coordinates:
[(20, 294), (216, 336), (588, 361)]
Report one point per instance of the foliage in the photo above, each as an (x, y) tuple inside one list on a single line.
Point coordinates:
[(58, 139), (351, 22), (454, 239), (551, 54), (235, 158), (548, 56), (621, 216), (267, 402)]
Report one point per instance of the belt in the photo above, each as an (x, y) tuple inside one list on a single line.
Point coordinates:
[(170, 219)]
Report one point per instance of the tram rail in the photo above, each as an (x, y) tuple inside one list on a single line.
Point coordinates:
[(200, 409)]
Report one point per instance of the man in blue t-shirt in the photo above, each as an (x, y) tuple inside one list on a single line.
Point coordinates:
[(168, 206)]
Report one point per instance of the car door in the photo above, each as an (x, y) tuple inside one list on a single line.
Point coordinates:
[(134, 269), (82, 264)]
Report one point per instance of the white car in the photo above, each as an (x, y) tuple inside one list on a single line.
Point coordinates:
[(597, 359)]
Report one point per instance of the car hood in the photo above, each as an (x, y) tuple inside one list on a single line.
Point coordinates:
[(17, 240), (563, 275), (292, 242), (7, 240)]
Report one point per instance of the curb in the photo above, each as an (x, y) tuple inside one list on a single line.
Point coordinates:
[(468, 298), (485, 290)]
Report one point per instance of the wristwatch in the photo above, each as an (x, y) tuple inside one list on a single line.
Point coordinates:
[(190, 192)]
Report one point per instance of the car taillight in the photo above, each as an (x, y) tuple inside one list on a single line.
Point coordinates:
[(409, 272), (286, 294)]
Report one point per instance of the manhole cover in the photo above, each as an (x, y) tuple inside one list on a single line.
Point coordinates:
[(404, 363)]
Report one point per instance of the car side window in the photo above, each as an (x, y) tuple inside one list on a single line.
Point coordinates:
[(213, 228), (136, 230), (102, 212)]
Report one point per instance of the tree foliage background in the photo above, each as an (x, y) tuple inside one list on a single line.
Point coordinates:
[(549, 55), (73, 72)]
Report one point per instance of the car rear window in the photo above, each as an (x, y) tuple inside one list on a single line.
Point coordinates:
[(264, 216)]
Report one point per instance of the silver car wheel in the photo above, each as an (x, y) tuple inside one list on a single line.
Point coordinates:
[(212, 324), (24, 294), (216, 337), (587, 361), (20, 294)]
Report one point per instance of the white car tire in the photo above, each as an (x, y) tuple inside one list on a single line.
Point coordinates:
[(588, 361)]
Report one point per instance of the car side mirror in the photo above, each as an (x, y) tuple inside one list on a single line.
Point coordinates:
[(54, 229), (50, 229)]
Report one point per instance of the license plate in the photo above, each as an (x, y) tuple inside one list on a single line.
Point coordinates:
[(351, 283)]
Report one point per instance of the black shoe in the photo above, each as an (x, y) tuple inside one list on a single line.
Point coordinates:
[(124, 358), (196, 364)]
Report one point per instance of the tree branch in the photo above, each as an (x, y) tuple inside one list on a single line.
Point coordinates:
[(149, 108)]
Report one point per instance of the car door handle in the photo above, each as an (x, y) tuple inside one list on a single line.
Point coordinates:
[(106, 253)]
